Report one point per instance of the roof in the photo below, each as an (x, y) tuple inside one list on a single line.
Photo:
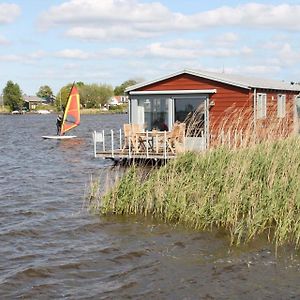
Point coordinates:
[(33, 99), (231, 79)]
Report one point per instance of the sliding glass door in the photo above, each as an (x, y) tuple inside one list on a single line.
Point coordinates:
[(153, 113), (192, 111)]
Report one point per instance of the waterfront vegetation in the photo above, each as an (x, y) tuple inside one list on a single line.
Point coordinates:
[(112, 110), (4, 109), (247, 192)]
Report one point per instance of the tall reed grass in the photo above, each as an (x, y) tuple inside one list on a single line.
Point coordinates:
[(247, 191)]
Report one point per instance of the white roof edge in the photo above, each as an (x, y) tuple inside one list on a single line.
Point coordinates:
[(174, 92)]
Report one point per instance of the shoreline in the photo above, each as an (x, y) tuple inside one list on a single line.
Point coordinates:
[(55, 113)]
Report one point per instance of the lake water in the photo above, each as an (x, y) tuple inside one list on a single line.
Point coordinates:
[(50, 247)]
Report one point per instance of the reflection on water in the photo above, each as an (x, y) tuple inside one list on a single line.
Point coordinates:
[(52, 248)]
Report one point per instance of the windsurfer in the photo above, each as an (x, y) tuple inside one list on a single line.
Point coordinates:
[(58, 124)]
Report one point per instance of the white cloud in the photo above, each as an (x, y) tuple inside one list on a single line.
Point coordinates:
[(28, 58), (255, 70), (191, 49), (4, 40), (125, 19), (111, 33), (9, 12), (72, 54), (37, 55), (259, 70), (11, 58), (288, 55), (103, 54), (115, 53), (226, 39)]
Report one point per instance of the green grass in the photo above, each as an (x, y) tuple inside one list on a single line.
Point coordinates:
[(247, 192)]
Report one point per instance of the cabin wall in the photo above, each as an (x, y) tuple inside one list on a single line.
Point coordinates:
[(273, 126), (231, 107)]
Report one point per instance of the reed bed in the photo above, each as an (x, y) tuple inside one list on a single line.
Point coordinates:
[(247, 191)]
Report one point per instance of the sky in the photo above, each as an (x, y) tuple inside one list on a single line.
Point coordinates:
[(51, 42)]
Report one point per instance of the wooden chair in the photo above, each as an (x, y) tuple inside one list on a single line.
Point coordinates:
[(127, 136), (130, 136), (176, 136), (135, 128)]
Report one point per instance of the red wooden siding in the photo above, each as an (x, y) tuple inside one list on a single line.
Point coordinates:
[(232, 109), (228, 100), (272, 126)]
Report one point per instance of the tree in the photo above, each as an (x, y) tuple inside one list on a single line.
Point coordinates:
[(92, 95), (45, 92), (12, 96), (62, 97), (119, 90)]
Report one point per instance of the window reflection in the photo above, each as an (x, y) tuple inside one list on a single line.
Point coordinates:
[(191, 111), (155, 113)]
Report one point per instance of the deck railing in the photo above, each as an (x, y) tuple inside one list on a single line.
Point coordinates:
[(111, 144)]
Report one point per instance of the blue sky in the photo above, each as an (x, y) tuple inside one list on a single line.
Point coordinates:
[(53, 42)]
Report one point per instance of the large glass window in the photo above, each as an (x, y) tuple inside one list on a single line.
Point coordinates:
[(155, 113), (192, 112)]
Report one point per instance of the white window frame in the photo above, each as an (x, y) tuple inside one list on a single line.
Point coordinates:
[(281, 105), (261, 105)]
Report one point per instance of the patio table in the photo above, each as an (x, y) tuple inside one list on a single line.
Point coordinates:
[(151, 140)]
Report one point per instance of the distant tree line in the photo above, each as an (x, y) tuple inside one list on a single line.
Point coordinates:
[(91, 95)]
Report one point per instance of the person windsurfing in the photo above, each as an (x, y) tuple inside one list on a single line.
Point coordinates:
[(58, 124)]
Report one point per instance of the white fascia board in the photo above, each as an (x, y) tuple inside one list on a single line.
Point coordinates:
[(173, 92)]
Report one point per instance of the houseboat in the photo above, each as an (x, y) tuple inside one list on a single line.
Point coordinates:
[(214, 108)]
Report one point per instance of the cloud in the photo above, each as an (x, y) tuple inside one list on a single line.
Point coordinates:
[(8, 12), (110, 19), (111, 33), (190, 49), (283, 16), (103, 54), (127, 19), (29, 58), (288, 55), (4, 40), (228, 38), (72, 54)]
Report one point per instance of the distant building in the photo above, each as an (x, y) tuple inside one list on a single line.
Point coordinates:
[(31, 102), (118, 100)]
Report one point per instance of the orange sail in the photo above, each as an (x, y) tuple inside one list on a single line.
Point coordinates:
[(71, 116)]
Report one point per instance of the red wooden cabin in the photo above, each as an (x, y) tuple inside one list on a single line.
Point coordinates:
[(225, 106)]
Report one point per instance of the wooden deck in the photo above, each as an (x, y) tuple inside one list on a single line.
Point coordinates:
[(149, 146), (126, 154)]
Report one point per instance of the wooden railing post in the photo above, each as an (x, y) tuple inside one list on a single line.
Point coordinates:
[(112, 143), (95, 146), (147, 144), (103, 134), (165, 145)]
